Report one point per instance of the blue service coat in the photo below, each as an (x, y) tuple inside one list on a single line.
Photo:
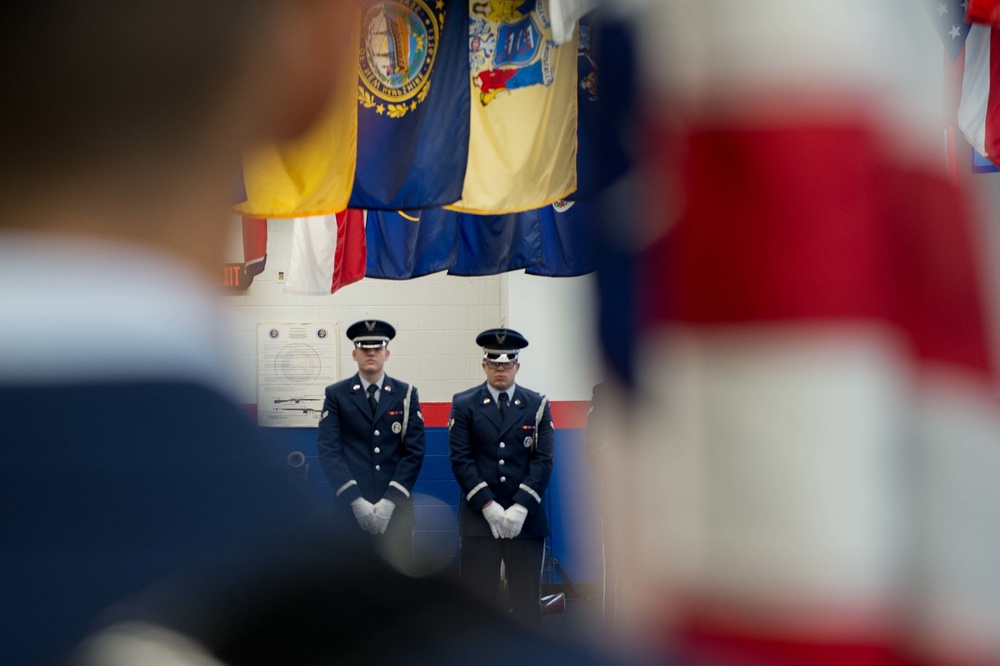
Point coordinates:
[(368, 456), (107, 488), (508, 461)]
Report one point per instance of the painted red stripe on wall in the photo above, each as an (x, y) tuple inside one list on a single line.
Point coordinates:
[(565, 413)]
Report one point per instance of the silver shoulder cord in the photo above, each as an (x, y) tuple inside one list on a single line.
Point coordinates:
[(406, 412), (538, 420)]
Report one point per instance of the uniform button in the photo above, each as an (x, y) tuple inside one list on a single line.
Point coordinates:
[(501, 461), (378, 450), (502, 479), (377, 468), (502, 445), (376, 433)]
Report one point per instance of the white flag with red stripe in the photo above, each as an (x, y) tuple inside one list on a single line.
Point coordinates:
[(328, 252)]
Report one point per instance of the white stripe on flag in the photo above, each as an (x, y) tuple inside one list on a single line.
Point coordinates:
[(314, 247)]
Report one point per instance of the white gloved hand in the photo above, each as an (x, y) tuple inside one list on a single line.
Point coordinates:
[(383, 512), (513, 521), (494, 513), (364, 511)]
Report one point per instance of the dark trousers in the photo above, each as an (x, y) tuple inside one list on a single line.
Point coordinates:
[(610, 579), (396, 545), (522, 558)]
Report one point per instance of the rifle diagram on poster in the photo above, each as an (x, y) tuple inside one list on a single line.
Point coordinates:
[(295, 364)]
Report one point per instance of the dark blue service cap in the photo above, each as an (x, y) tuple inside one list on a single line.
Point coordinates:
[(371, 333), (501, 344)]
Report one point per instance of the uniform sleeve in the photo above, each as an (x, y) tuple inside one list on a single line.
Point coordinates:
[(331, 452), (463, 464), (529, 493), (412, 457)]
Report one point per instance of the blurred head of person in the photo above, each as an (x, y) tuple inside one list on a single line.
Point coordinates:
[(128, 118)]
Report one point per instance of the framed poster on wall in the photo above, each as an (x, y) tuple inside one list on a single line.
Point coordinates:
[(295, 364)]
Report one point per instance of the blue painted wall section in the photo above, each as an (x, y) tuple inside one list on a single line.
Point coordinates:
[(574, 515)]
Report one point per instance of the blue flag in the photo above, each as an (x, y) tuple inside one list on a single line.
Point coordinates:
[(567, 234), (492, 244), (409, 244), (413, 105), (603, 46)]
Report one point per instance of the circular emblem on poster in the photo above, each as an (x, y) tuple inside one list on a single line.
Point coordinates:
[(321, 333), (298, 363), (399, 40)]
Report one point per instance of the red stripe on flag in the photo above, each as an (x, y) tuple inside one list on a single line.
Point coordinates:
[(350, 256), (813, 224), (779, 224), (704, 640), (983, 11), (992, 122)]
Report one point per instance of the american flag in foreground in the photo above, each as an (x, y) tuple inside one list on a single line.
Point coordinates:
[(810, 450)]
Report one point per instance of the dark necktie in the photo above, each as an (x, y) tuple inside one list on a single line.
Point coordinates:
[(372, 402), (503, 404)]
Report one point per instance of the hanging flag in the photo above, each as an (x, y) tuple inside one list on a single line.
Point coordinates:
[(567, 237), (254, 248), (493, 244), (979, 108), (312, 175), (565, 14), (602, 45), (974, 54), (413, 105), (408, 244), (328, 252), (522, 145)]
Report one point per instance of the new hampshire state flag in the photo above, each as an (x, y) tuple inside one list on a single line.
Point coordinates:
[(522, 145), (413, 105), (312, 175)]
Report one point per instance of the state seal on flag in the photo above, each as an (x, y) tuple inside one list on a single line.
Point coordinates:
[(399, 42)]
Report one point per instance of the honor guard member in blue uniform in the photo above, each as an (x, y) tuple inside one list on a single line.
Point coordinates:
[(501, 441), (371, 442)]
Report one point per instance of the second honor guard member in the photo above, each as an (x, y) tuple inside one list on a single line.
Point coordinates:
[(501, 442), (371, 442)]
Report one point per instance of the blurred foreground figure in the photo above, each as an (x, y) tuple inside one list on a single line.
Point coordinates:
[(813, 453), (122, 126), (346, 609)]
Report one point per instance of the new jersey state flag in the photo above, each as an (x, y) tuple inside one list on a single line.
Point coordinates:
[(312, 175), (522, 144), (413, 105)]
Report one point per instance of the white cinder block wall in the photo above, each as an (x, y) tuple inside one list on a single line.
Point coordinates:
[(437, 318)]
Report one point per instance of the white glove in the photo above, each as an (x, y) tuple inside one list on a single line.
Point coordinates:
[(364, 511), (493, 513), (383, 512), (513, 521)]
